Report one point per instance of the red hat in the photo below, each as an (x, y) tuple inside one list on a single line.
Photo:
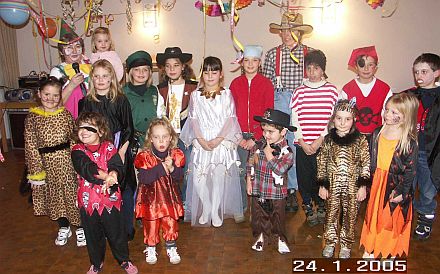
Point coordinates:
[(368, 51)]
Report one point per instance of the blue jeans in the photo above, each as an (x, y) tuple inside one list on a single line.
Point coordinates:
[(282, 102), (426, 204), (187, 153), (243, 155)]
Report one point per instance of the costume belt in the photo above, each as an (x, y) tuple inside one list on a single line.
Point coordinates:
[(51, 149)]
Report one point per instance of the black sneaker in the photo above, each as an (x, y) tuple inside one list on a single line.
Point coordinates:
[(321, 215), (292, 201), (311, 216), (424, 227)]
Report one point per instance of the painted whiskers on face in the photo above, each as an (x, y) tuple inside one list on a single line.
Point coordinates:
[(50, 98)]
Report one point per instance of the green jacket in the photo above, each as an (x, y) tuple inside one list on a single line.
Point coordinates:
[(143, 107)]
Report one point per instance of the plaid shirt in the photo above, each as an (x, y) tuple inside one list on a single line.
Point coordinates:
[(292, 74), (263, 185)]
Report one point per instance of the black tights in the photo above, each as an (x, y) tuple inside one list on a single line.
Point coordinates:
[(63, 222)]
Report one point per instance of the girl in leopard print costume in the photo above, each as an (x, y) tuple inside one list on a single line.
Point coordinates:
[(343, 173)]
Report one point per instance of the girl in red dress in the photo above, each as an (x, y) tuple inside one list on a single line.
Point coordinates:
[(158, 203)]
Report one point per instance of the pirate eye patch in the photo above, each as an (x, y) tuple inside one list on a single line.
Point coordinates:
[(91, 129)]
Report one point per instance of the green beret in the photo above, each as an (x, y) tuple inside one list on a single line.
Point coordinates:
[(137, 59)]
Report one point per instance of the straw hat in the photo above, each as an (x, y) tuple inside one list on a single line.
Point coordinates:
[(293, 21)]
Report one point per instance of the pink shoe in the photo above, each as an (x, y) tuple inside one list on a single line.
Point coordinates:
[(94, 270), (129, 268)]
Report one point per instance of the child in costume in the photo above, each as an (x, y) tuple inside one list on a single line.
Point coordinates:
[(104, 48), (160, 165), (253, 94), (47, 154), (387, 225), (213, 191), (343, 174), (145, 102), (100, 168), (312, 104), (266, 174), (71, 50), (371, 93), (284, 66), (426, 72), (175, 89), (106, 97)]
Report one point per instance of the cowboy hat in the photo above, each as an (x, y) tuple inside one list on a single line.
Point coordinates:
[(275, 117), (293, 21), (174, 52)]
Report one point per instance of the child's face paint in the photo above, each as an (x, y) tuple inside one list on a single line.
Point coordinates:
[(392, 116), (102, 80), (425, 77), (50, 98)]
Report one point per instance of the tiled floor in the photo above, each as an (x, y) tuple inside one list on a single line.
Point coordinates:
[(27, 242)]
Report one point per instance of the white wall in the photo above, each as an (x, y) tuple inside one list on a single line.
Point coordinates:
[(413, 29)]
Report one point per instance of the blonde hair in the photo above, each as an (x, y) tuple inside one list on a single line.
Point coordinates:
[(102, 30), (149, 81), (160, 122), (407, 104), (115, 88)]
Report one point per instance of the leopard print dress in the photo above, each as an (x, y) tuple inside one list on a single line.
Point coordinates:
[(56, 198)]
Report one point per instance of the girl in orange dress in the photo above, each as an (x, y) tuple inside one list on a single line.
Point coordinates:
[(387, 225), (158, 202)]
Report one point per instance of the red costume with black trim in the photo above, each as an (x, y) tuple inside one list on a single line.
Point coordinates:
[(159, 203), (370, 107), (90, 196)]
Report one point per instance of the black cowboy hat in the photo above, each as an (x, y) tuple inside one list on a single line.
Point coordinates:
[(174, 52), (275, 117)]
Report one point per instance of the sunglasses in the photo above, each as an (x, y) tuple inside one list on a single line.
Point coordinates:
[(91, 129)]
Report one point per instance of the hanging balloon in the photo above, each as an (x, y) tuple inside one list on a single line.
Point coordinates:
[(14, 12), (51, 27)]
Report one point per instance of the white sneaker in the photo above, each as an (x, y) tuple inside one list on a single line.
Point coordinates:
[(282, 247), (258, 245), (80, 237), (63, 234), (150, 254), (173, 255)]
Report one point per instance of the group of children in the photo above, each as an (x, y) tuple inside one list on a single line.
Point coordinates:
[(223, 144)]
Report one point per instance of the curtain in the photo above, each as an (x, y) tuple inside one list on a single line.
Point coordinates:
[(9, 71)]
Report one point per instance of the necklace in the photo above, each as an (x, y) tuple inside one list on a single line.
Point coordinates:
[(211, 93)]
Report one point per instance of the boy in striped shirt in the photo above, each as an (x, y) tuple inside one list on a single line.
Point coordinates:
[(312, 104)]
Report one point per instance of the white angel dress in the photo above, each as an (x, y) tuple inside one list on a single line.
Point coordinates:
[(213, 192)]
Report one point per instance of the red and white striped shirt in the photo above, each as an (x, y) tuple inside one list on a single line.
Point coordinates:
[(312, 106)]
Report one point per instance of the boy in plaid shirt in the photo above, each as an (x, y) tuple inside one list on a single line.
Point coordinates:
[(269, 161)]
